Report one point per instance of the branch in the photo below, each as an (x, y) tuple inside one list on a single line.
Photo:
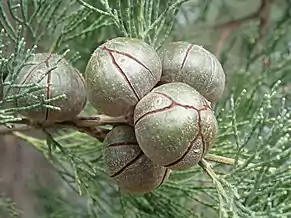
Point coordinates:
[(264, 17), (262, 11), (19, 128), (85, 124), (95, 132), (262, 14), (99, 120), (80, 121), (235, 23)]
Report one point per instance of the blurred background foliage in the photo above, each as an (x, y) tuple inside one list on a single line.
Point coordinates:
[(251, 38)]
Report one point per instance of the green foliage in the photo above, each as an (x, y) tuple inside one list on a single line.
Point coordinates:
[(10, 65), (8, 208), (254, 116)]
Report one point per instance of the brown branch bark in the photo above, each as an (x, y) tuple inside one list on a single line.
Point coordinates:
[(86, 124)]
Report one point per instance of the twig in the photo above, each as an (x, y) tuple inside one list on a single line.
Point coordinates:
[(219, 159), (229, 161), (161, 16), (92, 8), (99, 120), (207, 168)]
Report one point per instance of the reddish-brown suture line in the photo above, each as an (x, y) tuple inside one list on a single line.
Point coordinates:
[(191, 144), (164, 177), (173, 104), (46, 61), (48, 92), (188, 149), (117, 144), (128, 164), (189, 48), (205, 107), (200, 133), (121, 72), (155, 111), (131, 57), (48, 83)]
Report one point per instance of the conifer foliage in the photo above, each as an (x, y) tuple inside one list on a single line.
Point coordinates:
[(239, 166)]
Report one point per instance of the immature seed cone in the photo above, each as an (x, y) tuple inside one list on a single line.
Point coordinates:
[(127, 164), (57, 77), (195, 66), (175, 126), (119, 73)]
